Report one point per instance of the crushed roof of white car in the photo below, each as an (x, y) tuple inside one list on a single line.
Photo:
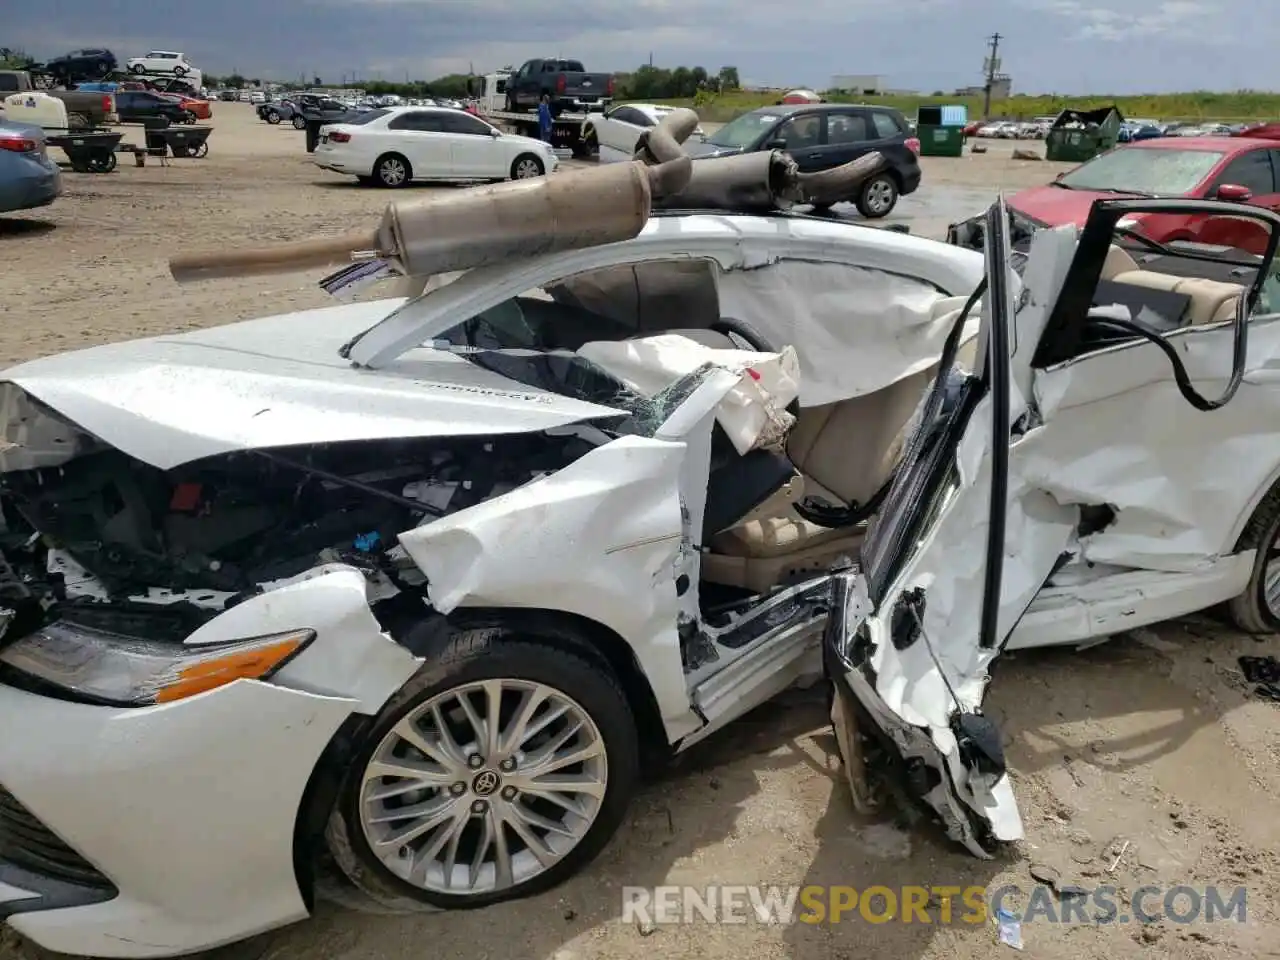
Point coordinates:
[(412, 588)]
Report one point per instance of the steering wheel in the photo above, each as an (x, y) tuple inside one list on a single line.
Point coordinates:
[(738, 330)]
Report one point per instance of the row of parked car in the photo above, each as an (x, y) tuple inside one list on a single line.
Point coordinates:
[(1130, 130)]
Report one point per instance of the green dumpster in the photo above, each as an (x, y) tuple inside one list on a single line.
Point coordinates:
[(1080, 135), (940, 131)]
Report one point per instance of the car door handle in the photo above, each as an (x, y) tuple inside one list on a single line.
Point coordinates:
[(814, 156)]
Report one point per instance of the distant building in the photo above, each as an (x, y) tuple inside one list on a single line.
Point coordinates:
[(860, 84), (1001, 88)]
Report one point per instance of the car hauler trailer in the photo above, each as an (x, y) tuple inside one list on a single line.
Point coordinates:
[(487, 97)]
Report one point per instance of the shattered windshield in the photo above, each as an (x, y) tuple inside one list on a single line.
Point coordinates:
[(570, 375), (1154, 173)]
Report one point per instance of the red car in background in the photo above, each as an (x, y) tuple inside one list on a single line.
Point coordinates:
[(199, 109), (1238, 169)]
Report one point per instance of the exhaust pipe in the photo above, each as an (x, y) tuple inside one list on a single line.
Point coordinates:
[(755, 182), (462, 229), (838, 183), (482, 226), (768, 181)]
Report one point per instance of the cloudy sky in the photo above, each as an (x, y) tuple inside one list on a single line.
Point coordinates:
[(1069, 46)]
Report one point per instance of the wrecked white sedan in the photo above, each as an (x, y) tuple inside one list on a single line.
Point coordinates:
[(417, 583)]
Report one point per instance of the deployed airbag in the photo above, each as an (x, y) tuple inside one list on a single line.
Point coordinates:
[(752, 413), (858, 329)]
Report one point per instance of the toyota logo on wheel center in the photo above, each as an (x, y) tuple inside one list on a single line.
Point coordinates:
[(485, 783)]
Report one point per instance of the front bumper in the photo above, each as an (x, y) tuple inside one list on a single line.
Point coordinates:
[(186, 811)]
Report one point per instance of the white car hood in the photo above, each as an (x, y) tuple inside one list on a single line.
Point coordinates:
[(275, 381)]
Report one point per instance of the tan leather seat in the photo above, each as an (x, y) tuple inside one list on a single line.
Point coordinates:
[(1212, 301), (762, 553), (1118, 261), (846, 452)]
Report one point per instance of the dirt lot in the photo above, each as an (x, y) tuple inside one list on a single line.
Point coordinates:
[(1144, 761)]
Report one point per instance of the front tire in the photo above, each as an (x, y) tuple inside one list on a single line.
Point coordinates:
[(526, 167), (503, 767), (272, 117), (392, 171), (137, 68), (299, 122), (878, 197), (1257, 609), (179, 71)]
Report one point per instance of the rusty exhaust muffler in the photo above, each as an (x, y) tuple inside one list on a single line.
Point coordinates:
[(767, 181), (477, 227), (755, 182), (838, 183)]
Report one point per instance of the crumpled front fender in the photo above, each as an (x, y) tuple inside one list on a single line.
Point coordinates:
[(600, 539)]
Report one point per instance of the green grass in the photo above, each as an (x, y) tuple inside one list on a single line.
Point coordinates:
[(1228, 107)]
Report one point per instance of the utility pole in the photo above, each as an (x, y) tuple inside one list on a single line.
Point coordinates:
[(993, 65)]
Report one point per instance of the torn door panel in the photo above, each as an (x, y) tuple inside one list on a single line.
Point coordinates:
[(943, 585), (1181, 481)]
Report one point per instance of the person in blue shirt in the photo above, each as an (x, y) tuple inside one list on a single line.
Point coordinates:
[(544, 118)]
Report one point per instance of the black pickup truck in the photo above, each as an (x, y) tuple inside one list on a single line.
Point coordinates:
[(566, 82)]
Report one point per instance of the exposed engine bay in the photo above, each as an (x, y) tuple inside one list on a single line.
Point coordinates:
[(116, 544)]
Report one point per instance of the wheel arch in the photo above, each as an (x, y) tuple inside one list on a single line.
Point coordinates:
[(1240, 528), (589, 639), (429, 636)]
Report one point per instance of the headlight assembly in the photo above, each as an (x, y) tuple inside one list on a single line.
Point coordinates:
[(127, 671)]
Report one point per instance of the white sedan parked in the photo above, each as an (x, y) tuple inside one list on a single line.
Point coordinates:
[(391, 146), (613, 134)]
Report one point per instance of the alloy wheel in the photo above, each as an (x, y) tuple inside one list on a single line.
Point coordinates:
[(483, 787), (527, 168)]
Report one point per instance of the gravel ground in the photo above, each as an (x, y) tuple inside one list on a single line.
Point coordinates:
[(1144, 761)]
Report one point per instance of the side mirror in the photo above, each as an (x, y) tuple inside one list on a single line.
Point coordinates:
[(1059, 176), (1234, 193), (495, 132), (777, 143)]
